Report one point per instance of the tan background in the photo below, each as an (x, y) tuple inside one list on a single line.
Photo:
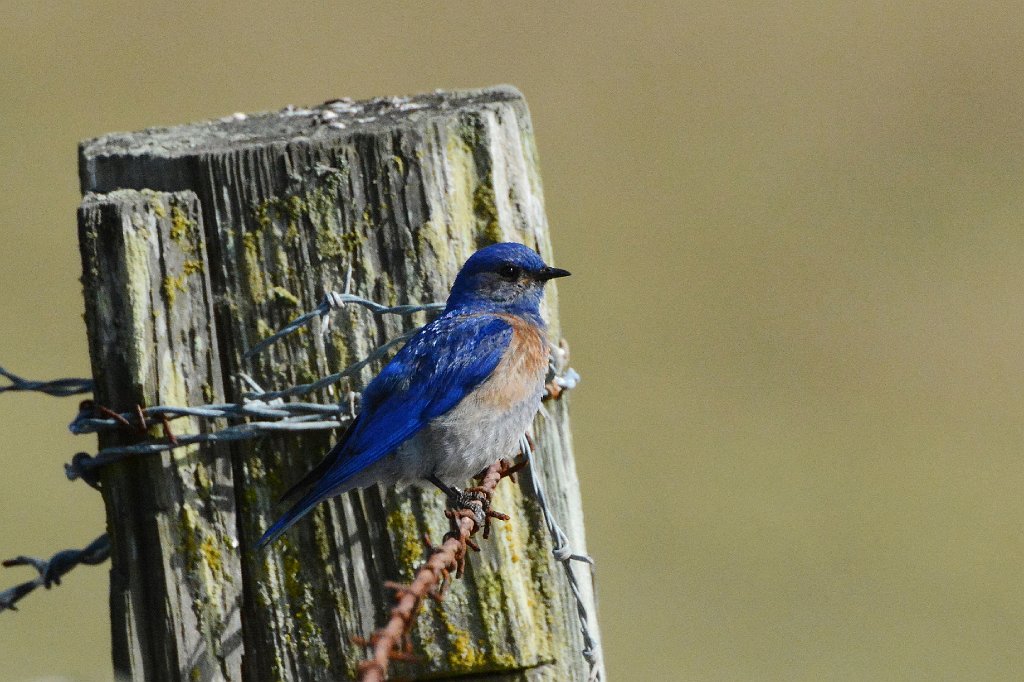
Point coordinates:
[(798, 256)]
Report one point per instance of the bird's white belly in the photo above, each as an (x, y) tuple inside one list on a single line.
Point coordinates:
[(471, 437), (462, 442)]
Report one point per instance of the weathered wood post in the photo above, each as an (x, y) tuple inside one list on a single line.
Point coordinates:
[(199, 240)]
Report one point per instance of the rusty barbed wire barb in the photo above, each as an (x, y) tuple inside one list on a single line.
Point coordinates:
[(60, 388), (53, 569)]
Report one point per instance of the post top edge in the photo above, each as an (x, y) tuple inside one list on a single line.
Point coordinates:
[(339, 118), (131, 196)]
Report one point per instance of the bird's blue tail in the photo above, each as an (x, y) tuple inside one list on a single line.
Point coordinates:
[(291, 517)]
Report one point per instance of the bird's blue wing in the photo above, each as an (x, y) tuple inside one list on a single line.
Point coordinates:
[(437, 369), (439, 366)]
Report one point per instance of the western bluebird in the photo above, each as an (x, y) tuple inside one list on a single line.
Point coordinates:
[(456, 398)]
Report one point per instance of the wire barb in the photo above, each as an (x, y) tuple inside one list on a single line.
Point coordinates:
[(53, 569)]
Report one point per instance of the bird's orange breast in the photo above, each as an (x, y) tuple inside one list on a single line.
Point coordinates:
[(519, 375)]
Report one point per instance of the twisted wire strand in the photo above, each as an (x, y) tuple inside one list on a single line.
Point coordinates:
[(53, 569), (80, 466), (58, 387), (83, 424), (333, 301)]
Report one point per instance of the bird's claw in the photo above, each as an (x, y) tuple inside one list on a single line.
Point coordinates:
[(475, 500), (476, 503)]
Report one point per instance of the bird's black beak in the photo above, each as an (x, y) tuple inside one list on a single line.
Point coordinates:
[(544, 274)]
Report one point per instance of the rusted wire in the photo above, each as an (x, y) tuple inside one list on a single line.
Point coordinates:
[(392, 642)]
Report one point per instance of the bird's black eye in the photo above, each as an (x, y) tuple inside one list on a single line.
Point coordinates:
[(509, 271)]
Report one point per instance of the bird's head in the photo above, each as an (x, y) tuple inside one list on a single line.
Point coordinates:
[(506, 277)]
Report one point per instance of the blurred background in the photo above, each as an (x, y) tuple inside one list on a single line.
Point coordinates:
[(796, 238)]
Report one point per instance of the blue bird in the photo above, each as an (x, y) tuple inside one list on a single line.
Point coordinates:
[(456, 398)]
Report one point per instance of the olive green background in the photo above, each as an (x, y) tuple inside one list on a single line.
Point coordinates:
[(796, 238)]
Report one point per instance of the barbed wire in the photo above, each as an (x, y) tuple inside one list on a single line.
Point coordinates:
[(84, 423), (393, 641), (58, 387), (333, 301), (291, 417), (294, 416), (304, 389), (277, 416), (53, 569), (81, 466)]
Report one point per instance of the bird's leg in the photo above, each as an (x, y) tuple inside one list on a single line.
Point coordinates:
[(450, 491), (472, 499)]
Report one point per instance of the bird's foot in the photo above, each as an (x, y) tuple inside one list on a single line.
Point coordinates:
[(479, 500), (472, 502), (475, 500)]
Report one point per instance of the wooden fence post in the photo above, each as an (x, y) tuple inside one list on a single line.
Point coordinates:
[(199, 240)]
